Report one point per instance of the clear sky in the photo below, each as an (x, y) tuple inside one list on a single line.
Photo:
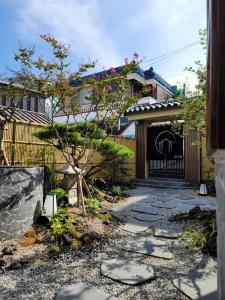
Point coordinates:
[(107, 30)]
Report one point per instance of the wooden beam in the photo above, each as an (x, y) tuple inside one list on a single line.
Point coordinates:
[(216, 76)]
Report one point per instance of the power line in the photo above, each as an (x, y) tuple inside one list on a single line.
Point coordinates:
[(170, 54)]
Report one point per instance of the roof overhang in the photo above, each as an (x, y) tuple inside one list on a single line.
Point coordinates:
[(158, 111)]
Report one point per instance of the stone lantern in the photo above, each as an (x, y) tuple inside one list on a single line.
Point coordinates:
[(69, 183)]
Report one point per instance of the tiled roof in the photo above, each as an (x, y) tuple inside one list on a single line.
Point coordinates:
[(152, 107), (146, 74), (27, 116)]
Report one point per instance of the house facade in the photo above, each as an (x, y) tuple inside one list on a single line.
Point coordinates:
[(32, 102)]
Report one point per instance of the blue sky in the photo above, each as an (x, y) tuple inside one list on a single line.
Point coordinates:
[(107, 30)]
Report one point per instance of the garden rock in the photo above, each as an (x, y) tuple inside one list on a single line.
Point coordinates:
[(2, 263), (127, 271), (149, 246), (195, 211), (198, 286), (16, 265), (83, 291), (9, 250)]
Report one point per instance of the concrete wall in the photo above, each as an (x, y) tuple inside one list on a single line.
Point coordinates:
[(21, 198)]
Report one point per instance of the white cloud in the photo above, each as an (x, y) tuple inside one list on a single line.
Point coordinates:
[(73, 21)]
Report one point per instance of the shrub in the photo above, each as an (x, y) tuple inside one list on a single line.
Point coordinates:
[(105, 217), (116, 190), (63, 230), (60, 194), (93, 206)]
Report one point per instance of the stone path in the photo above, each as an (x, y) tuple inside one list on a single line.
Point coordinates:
[(151, 210)]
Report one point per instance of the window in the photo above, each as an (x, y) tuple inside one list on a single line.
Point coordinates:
[(3, 102), (36, 104), (29, 103), (20, 104)]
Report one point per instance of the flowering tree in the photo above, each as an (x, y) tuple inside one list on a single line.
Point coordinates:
[(108, 96)]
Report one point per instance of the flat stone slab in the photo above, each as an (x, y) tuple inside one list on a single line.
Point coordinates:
[(83, 291), (160, 193), (133, 225), (184, 197), (148, 209), (126, 271), (168, 232), (198, 286), (164, 199), (146, 217), (149, 246), (196, 202), (168, 205)]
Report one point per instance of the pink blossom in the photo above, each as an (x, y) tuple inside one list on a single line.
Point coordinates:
[(65, 47), (109, 88), (136, 55), (45, 37), (126, 61), (112, 71)]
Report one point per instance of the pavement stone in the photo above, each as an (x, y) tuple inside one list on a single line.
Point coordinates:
[(128, 272), (198, 286), (83, 291), (146, 217), (168, 232), (149, 246), (135, 226), (144, 208), (168, 205)]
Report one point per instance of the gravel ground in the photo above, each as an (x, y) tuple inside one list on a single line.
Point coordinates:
[(43, 278)]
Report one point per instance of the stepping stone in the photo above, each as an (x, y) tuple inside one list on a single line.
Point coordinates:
[(148, 209), (168, 205), (160, 193), (127, 271), (168, 232), (133, 225), (196, 202), (164, 199), (184, 197), (146, 217), (150, 246), (82, 291), (198, 286)]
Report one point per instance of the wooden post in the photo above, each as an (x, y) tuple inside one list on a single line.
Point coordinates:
[(13, 143), (216, 122)]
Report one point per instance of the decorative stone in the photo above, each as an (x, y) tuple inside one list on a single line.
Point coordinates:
[(168, 205), (150, 246), (133, 225), (21, 199), (168, 232), (83, 291), (50, 205), (198, 286), (148, 209), (146, 217), (127, 271)]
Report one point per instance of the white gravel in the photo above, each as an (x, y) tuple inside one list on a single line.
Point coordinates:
[(44, 277)]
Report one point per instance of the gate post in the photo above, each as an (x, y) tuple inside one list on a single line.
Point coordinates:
[(141, 141)]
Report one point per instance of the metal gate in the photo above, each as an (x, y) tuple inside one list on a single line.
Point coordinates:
[(165, 153)]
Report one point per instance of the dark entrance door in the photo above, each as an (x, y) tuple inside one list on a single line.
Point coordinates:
[(165, 153)]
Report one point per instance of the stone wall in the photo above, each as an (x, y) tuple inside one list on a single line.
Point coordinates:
[(21, 198)]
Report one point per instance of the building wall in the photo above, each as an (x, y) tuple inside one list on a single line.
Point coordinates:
[(37, 103)]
